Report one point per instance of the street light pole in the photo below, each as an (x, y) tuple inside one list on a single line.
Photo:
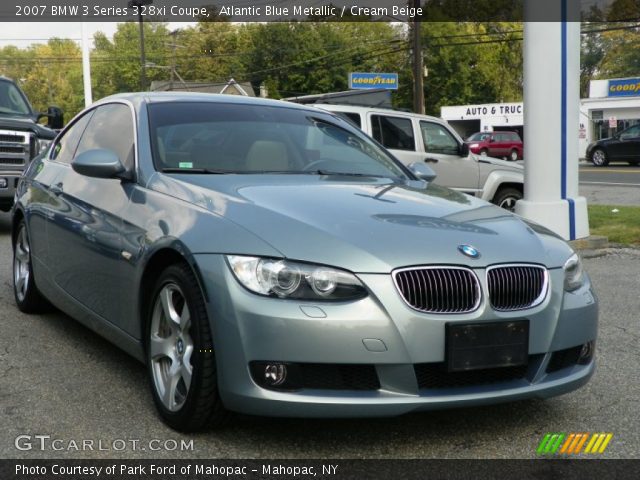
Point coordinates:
[(418, 70)]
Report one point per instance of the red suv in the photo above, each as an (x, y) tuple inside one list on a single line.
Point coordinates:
[(496, 144)]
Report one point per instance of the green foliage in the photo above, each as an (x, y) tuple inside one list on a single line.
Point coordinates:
[(462, 70)]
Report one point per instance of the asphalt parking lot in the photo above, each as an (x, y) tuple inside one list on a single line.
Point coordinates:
[(57, 378)]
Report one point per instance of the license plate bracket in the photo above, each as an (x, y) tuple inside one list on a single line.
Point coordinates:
[(476, 346)]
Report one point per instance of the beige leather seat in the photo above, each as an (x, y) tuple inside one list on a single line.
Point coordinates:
[(267, 155)]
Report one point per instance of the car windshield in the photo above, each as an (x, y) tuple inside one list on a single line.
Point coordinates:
[(12, 101), (212, 137), (477, 137)]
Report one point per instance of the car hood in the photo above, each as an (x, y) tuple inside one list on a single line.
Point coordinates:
[(25, 124), (365, 225)]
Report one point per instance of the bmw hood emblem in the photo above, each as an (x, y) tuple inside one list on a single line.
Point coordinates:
[(469, 251)]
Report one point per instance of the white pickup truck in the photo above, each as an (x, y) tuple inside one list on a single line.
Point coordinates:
[(421, 138)]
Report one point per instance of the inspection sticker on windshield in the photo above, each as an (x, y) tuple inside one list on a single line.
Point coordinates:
[(185, 165)]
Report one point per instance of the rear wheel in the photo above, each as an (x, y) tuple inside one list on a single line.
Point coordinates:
[(28, 297), (599, 158), (181, 355), (513, 156), (507, 197)]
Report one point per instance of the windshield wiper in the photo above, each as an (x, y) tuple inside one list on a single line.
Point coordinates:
[(197, 170), (344, 174)]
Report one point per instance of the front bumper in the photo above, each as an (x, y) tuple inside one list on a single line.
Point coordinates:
[(7, 193), (247, 327)]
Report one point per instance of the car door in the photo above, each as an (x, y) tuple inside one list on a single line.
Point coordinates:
[(48, 203), (442, 149), (398, 135), (497, 145), (85, 238), (629, 144)]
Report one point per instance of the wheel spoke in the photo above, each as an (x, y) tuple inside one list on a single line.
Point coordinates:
[(170, 386), (21, 283), (185, 319), (166, 297), (186, 372), (161, 347)]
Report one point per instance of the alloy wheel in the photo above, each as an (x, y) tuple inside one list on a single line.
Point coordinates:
[(22, 264), (171, 347), (599, 158), (509, 203), (514, 155)]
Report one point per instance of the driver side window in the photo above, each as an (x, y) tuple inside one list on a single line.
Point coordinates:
[(437, 139)]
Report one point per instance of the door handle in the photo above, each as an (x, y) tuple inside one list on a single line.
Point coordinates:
[(430, 160), (57, 189)]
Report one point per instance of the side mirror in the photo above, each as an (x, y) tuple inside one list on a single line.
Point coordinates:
[(98, 163), (55, 118), (463, 151), (422, 171)]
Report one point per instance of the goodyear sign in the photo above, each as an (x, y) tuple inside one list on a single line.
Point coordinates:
[(624, 87), (359, 80)]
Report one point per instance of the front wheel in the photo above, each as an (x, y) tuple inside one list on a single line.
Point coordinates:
[(599, 158), (484, 152), (507, 197), (180, 354), (28, 297), (513, 156)]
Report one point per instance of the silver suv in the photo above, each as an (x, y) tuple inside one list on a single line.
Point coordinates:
[(421, 138)]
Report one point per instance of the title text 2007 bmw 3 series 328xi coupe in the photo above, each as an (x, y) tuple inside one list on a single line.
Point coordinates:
[(268, 258)]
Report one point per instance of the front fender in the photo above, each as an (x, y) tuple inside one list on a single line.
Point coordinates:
[(498, 178)]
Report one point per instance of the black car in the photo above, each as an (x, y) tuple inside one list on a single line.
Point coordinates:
[(623, 147)]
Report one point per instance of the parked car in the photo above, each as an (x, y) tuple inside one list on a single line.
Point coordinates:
[(624, 146), (420, 138), (507, 145), (269, 258), (21, 136)]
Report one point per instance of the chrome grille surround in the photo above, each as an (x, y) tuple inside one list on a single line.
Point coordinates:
[(15, 147), (439, 289), (517, 286)]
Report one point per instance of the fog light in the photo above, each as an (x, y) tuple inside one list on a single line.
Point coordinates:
[(275, 374), (586, 352), (3, 183)]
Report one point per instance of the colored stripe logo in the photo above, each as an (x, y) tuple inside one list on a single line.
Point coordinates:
[(574, 443)]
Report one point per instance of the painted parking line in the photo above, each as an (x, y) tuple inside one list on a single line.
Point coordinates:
[(599, 170), (611, 183)]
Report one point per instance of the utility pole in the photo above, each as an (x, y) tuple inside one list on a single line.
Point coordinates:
[(143, 59), (418, 70)]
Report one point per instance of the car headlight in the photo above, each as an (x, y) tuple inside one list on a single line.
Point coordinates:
[(294, 280), (573, 273), (474, 145), (43, 145)]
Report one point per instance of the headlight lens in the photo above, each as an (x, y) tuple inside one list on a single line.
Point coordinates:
[(285, 279), (474, 145), (573, 273), (43, 145)]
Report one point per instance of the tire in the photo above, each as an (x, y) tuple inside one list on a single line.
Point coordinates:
[(599, 158), (484, 152), (507, 197), (28, 297), (513, 155), (179, 354)]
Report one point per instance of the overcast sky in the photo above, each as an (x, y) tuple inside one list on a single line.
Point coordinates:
[(22, 34)]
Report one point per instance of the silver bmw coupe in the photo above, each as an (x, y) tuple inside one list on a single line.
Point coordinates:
[(269, 258)]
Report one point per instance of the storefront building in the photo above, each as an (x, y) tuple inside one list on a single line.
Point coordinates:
[(612, 106)]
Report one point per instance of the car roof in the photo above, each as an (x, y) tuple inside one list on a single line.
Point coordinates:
[(333, 107), (160, 97)]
